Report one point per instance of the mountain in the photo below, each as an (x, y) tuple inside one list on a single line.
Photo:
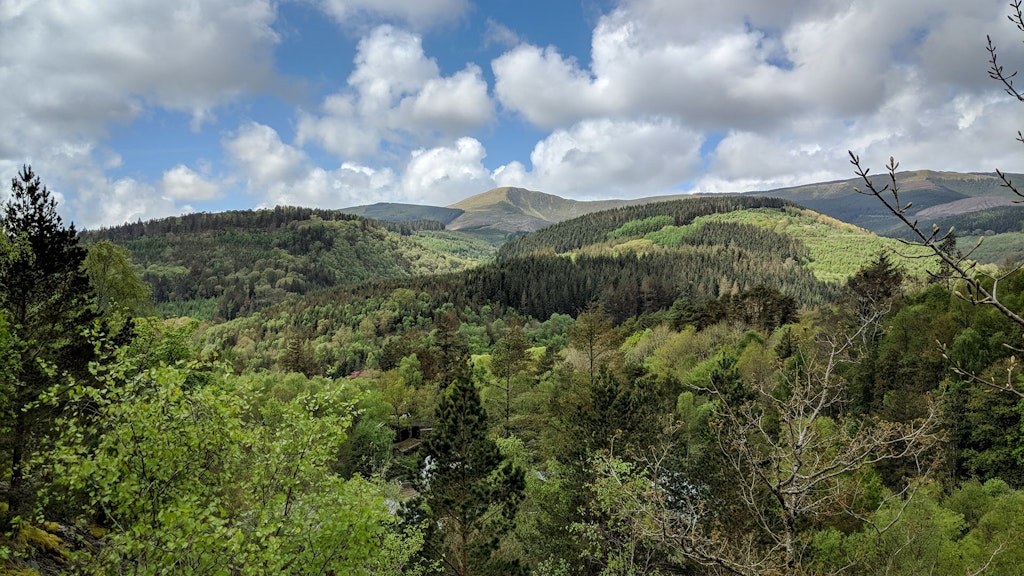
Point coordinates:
[(934, 195), (521, 210), (233, 263), (497, 213), (632, 260), (503, 212)]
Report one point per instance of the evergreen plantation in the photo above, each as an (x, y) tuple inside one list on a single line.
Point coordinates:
[(711, 385)]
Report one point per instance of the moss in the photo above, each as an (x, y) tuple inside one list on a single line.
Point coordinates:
[(40, 540)]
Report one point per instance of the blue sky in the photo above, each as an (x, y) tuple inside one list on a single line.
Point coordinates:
[(139, 109)]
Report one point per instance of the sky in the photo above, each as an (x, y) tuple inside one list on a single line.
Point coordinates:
[(139, 109)]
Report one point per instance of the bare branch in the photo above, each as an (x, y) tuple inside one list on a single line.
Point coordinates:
[(961, 268)]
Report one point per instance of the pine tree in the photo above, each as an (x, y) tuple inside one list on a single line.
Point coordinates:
[(468, 493), (49, 304)]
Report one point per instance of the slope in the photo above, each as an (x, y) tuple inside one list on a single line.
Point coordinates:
[(398, 212), (232, 263), (933, 194), (665, 259)]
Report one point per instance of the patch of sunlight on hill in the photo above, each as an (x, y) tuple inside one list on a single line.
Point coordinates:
[(837, 249)]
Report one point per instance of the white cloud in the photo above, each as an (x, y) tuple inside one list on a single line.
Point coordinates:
[(610, 159), (281, 174), (498, 34), (727, 65), (389, 63), (547, 89), (446, 174), (182, 183), (397, 95), (452, 105), (791, 84), (106, 61), (70, 70), (416, 13), (111, 202), (258, 150)]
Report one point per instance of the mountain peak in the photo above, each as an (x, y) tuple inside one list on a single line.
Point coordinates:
[(520, 210)]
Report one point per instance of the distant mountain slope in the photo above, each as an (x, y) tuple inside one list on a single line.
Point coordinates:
[(934, 194), (632, 260), (594, 227), (521, 210), (397, 212), (506, 211)]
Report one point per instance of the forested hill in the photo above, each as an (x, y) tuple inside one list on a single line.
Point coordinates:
[(753, 259), (232, 263), (594, 227)]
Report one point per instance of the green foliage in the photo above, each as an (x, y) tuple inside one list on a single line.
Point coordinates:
[(594, 228), (48, 303), (114, 281), (975, 529), (469, 494), (637, 228), (194, 472), (835, 250), (246, 261)]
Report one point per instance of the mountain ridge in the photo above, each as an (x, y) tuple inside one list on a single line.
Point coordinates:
[(934, 193)]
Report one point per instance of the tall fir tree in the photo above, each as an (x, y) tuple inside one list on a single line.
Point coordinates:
[(469, 494), (49, 303)]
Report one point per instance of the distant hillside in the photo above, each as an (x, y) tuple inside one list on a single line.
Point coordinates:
[(674, 257), (832, 250), (233, 263), (501, 213), (934, 194), (397, 212), (520, 210)]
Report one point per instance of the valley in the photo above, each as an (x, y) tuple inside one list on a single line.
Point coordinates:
[(540, 381)]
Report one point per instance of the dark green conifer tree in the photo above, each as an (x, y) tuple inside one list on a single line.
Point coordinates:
[(469, 494), (49, 303)]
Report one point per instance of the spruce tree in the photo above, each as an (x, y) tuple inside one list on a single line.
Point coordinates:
[(48, 302), (468, 493)]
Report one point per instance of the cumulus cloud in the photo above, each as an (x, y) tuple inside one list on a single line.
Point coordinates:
[(106, 61), (790, 84), (69, 70), (446, 174), (397, 95), (741, 65), (281, 174), (183, 183), (610, 159), (452, 105)]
